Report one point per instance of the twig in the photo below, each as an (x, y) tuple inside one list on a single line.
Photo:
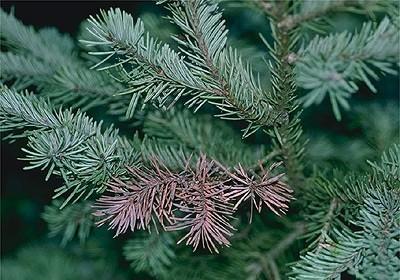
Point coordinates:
[(286, 242), (328, 222), (268, 260), (293, 21)]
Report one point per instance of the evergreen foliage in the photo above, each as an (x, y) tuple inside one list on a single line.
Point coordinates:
[(195, 131), (331, 198), (48, 60), (332, 65), (70, 145), (50, 262), (153, 253), (73, 220)]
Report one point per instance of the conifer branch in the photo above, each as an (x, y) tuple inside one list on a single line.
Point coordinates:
[(354, 204), (331, 260), (370, 252), (199, 199), (205, 209), (293, 21), (153, 71), (25, 70), (268, 260), (332, 65), (205, 44), (149, 192), (380, 124), (44, 260), (85, 89), (199, 133), (287, 135), (162, 180), (47, 60), (67, 144), (75, 219), (48, 45), (172, 155), (320, 242), (311, 10), (72, 85), (214, 74), (269, 189), (152, 253), (389, 165)]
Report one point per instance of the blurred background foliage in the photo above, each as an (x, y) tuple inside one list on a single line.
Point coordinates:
[(363, 133)]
